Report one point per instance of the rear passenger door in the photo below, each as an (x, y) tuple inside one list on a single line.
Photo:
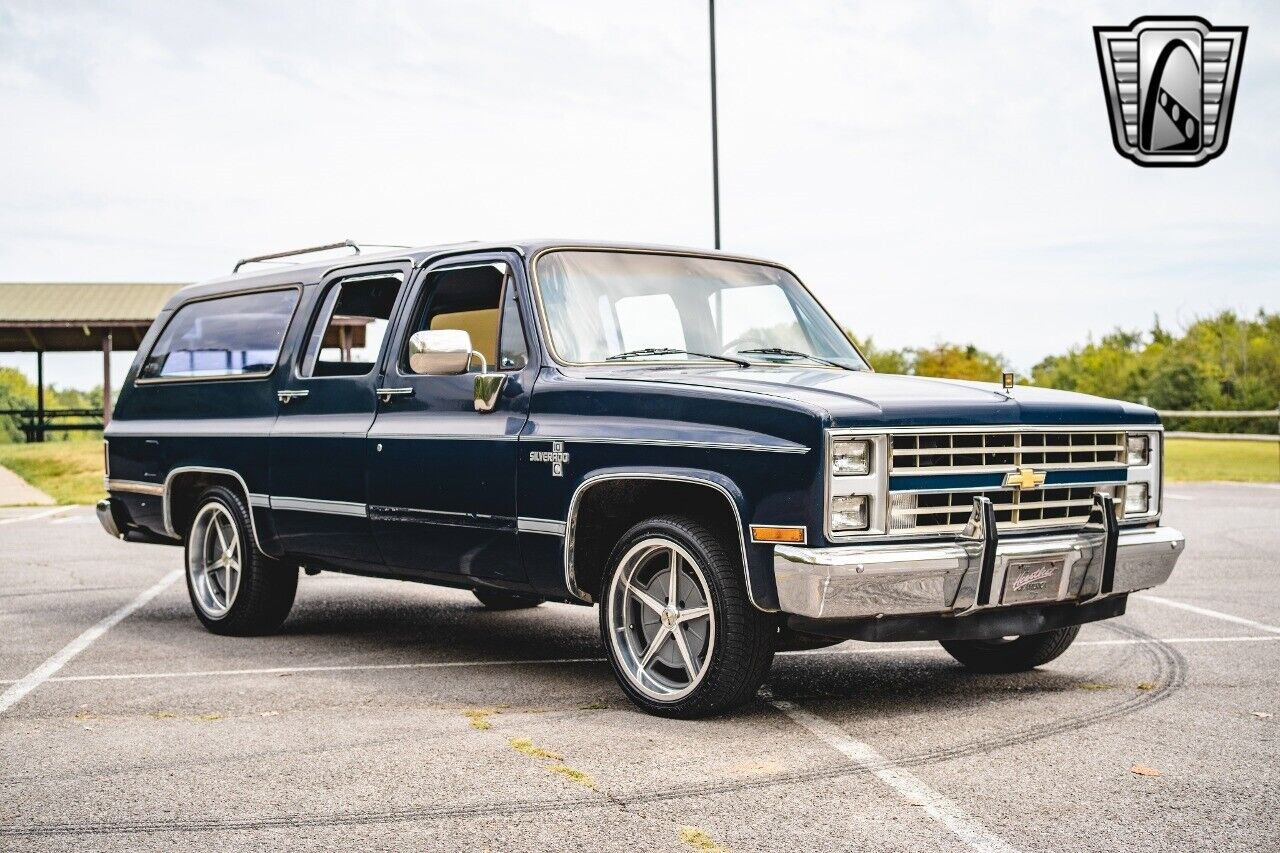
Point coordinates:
[(327, 401), (442, 476)]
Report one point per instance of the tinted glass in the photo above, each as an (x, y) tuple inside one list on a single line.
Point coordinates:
[(350, 324), (514, 353), (469, 299), (230, 336)]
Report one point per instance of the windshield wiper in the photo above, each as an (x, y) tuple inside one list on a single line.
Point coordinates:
[(637, 353), (790, 353)]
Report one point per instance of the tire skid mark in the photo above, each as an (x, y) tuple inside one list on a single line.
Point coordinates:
[(1169, 677)]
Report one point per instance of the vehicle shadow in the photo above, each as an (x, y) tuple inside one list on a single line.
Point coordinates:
[(411, 625)]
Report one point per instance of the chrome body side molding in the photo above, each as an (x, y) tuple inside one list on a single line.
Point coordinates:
[(541, 525), (316, 505)]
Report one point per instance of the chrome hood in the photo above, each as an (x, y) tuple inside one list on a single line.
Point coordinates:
[(857, 398)]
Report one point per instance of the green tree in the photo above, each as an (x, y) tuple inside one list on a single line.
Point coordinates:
[(957, 361)]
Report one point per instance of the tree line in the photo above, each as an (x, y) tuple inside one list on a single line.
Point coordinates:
[(1223, 362)]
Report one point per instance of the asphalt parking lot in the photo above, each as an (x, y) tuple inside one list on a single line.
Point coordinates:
[(388, 715)]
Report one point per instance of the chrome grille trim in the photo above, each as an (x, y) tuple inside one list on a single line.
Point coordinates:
[(947, 511), (1003, 451)]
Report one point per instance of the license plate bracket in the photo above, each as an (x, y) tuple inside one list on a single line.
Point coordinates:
[(1038, 579)]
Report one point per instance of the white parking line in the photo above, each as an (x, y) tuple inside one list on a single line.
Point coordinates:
[(44, 671), (290, 670), (1204, 611), (33, 516), (887, 648), (909, 786), (1174, 497)]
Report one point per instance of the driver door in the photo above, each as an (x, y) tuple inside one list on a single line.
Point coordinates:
[(442, 475)]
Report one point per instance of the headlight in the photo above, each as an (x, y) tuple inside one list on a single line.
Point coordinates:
[(1137, 449), (1137, 499), (849, 512), (851, 457)]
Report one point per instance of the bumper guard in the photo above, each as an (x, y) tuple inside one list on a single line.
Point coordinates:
[(970, 574)]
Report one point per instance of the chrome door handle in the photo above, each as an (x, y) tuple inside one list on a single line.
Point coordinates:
[(286, 396), (386, 395)]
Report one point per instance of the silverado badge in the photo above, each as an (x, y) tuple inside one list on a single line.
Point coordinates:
[(1024, 478), (556, 456), (1170, 84)]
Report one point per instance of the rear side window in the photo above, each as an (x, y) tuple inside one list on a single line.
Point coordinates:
[(236, 335), (350, 324)]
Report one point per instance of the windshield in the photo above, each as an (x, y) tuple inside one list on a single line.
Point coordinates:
[(622, 306)]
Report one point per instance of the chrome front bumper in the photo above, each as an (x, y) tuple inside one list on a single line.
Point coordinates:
[(968, 574)]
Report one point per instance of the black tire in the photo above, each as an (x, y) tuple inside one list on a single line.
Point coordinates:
[(498, 600), (265, 588), (1016, 655), (743, 637)]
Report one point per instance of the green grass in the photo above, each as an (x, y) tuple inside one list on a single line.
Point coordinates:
[(70, 472), (1191, 459)]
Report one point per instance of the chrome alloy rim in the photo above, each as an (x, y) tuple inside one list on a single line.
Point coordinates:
[(214, 560), (661, 625)]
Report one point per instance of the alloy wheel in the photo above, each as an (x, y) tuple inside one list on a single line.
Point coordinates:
[(660, 621), (214, 560)]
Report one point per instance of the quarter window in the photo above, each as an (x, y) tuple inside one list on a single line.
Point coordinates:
[(236, 335), (350, 324)]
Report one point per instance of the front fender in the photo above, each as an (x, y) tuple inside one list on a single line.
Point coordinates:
[(757, 559)]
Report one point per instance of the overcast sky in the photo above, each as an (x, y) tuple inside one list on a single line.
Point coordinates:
[(934, 171)]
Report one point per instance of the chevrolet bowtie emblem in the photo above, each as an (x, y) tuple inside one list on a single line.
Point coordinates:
[(1024, 478)]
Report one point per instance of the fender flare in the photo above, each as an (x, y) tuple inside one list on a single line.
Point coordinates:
[(249, 498), (706, 479)]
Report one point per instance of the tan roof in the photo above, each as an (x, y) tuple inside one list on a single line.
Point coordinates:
[(82, 302)]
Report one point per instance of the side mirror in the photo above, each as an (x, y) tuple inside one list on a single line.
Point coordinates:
[(440, 351)]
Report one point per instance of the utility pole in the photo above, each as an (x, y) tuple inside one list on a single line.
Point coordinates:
[(715, 130)]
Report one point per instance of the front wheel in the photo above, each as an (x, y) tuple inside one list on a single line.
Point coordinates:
[(1011, 654), (679, 631), (235, 589)]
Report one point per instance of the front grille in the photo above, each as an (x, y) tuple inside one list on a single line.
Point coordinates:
[(954, 455), (965, 452), (947, 512)]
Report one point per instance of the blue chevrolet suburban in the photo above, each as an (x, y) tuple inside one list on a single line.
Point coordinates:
[(685, 438)]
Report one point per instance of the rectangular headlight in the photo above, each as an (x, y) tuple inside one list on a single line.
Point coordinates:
[(1137, 499), (850, 457), (849, 512), (1137, 449)]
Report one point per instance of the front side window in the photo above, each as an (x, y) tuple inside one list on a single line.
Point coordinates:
[(481, 301), (350, 324), (236, 335), (617, 306)]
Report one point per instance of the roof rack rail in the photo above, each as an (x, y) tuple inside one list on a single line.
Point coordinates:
[(345, 244)]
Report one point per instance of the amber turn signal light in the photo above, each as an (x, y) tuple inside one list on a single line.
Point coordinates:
[(777, 534)]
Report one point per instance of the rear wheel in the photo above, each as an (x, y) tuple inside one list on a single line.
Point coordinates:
[(235, 589), (1011, 654), (496, 600), (679, 631)]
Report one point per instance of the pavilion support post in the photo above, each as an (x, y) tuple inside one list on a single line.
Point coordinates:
[(39, 431), (106, 379)]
